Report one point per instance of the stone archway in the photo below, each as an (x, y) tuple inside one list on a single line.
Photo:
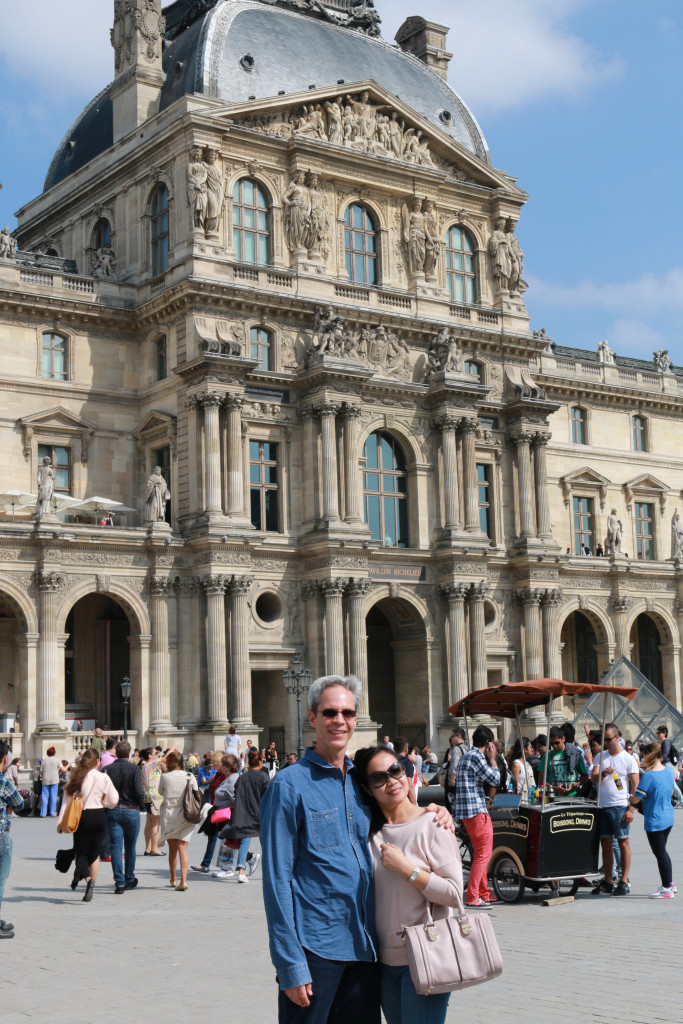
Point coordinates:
[(13, 695), (579, 649), (646, 640), (96, 658), (398, 670)]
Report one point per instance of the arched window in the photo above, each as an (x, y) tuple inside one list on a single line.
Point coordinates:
[(638, 426), (385, 490), (461, 275), (54, 356), (360, 245), (159, 230), (101, 234), (250, 222), (579, 425), (473, 369), (160, 352), (261, 347)]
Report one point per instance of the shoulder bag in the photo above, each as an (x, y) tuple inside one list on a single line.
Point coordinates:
[(192, 803), (72, 814), (451, 953)]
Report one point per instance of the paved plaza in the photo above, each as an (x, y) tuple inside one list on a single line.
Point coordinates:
[(202, 955)]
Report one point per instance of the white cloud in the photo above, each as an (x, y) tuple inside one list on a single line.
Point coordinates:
[(646, 295), (633, 337)]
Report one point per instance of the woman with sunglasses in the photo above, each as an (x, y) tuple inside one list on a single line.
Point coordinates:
[(415, 865)]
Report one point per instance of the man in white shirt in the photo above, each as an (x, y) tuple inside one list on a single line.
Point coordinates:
[(233, 743), (620, 777)]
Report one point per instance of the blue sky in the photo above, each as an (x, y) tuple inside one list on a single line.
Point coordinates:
[(579, 99)]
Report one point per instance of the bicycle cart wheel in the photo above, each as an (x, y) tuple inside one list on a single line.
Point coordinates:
[(566, 886), (508, 884)]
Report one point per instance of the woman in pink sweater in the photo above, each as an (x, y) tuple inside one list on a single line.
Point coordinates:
[(97, 793), (415, 864)]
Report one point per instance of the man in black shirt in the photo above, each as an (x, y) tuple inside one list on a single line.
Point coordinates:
[(124, 821)]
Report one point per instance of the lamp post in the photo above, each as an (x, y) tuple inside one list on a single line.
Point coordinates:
[(297, 680), (126, 687)]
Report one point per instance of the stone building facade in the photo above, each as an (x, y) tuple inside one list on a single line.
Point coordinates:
[(274, 259)]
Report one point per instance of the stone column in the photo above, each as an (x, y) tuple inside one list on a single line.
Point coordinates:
[(328, 412), (543, 524), (234, 405), (216, 678), (530, 601), (310, 463), (476, 597), (353, 504), (211, 402), (552, 655), (160, 710), (334, 626), (522, 442), (468, 429), (50, 709), (239, 705), (188, 662), (309, 594), (457, 641), (447, 424), (620, 607), (357, 591)]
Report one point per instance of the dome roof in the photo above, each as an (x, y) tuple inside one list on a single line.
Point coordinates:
[(286, 52)]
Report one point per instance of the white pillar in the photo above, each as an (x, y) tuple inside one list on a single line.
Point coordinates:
[(161, 684), (357, 591), (328, 412), (522, 442), (530, 601), (353, 504), (50, 710), (476, 597), (552, 656), (468, 428), (234, 405), (188, 661), (457, 641), (239, 708), (334, 626), (543, 524), (447, 424), (211, 402), (216, 677)]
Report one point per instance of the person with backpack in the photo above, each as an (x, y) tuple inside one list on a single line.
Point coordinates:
[(175, 829), (669, 754)]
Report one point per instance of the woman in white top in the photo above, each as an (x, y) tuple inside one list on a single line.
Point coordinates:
[(175, 829), (97, 792), (522, 774), (415, 863)]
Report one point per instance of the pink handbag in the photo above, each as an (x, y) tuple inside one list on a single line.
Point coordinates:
[(224, 814), (451, 953)]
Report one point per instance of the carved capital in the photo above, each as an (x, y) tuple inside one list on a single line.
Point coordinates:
[(540, 440), (551, 598), (620, 604), (240, 586), (446, 421), (469, 425), (528, 597), (158, 586), (185, 586), (454, 591), (48, 582), (478, 591), (103, 584), (309, 589), (351, 412), (333, 587), (520, 439), (208, 398), (214, 584), (233, 401), (358, 587), (326, 408)]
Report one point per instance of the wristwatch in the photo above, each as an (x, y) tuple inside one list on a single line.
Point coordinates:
[(412, 878)]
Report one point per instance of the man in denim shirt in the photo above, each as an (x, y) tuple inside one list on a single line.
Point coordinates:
[(9, 797), (317, 872)]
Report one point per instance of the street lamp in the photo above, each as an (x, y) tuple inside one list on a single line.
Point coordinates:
[(297, 679), (126, 687)]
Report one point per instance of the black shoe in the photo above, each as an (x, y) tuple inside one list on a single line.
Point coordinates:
[(131, 885), (6, 935), (603, 889), (622, 888), (74, 883), (5, 926), (89, 891), (119, 889)]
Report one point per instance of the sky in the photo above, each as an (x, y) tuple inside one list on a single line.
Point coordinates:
[(580, 100)]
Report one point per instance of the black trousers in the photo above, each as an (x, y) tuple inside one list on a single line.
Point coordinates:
[(344, 992), (657, 841)]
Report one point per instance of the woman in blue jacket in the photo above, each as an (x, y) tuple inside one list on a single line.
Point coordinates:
[(654, 789)]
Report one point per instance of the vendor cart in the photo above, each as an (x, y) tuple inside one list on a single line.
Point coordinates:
[(549, 841)]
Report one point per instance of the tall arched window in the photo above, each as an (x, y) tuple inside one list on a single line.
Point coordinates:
[(639, 426), (360, 245), (261, 347), (159, 210), (461, 275), (54, 356), (385, 490), (579, 425), (250, 222), (101, 234)]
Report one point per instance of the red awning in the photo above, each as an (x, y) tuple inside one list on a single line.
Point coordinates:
[(508, 698)]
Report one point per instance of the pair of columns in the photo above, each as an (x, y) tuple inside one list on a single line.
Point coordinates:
[(541, 643), (356, 591), (450, 425), (530, 483), (460, 683), (327, 413), (211, 401)]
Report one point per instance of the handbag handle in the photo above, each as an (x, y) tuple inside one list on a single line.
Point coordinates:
[(463, 919)]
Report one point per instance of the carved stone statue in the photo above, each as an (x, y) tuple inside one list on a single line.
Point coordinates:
[(46, 486), (676, 535), (432, 241), (499, 252), (605, 353), (661, 360), (8, 244), (318, 220), (105, 264), (414, 237), (444, 355), (215, 193), (454, 362), (335, 125), (614, 534), (197, 188), (330, 331), (515, 285), (296, 214), (158, 496)]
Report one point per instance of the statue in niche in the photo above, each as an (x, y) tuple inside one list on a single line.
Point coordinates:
[(414, 237), (8, 244), (499, 252), (46, 486), (104, 266), (432, 241), (296, 214), (197, 187), (676, 535), (661, 360), (318, 219), (515, 285), (158, 496), (615, 532), (215, 192), (605, 353)]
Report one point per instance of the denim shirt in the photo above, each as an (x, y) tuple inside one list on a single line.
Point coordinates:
[(317, 869)]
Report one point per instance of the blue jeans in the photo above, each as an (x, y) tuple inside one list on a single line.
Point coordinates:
[(401, 1003), (5, 860), (51, 793), (242, 852), (210, 847), (343, 990), (123, 824)]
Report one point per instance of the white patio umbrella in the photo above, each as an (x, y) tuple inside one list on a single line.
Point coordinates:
[(99, 504), (15, 499)]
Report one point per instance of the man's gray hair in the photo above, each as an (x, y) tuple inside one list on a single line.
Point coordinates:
[(315, 692)]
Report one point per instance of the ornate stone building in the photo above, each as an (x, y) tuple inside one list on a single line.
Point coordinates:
[(274, 259)]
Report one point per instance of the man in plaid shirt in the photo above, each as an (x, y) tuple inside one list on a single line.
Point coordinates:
[(9, 797), (476, 773)]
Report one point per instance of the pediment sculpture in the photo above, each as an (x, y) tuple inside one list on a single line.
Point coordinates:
[(375, 347)]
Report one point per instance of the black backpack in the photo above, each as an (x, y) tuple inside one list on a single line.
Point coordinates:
[(673, 754)]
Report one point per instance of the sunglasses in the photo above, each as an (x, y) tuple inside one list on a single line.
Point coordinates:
[(348, 713), (378, 779)]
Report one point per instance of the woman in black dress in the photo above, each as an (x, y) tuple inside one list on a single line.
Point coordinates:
[(97, 792)]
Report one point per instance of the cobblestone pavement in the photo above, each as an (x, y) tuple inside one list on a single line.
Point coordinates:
[(203, 954)]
